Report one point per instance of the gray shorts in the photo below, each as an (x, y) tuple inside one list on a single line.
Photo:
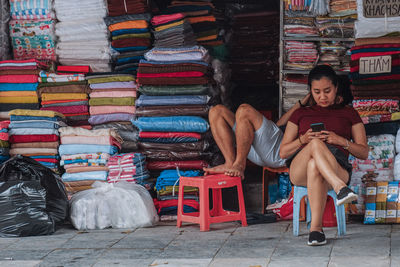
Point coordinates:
[(266, 144)]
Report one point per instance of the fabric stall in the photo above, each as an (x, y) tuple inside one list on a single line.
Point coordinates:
[(4, 144), (4, 30)]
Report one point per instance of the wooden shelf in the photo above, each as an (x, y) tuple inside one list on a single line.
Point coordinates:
[(307, 71), (318, 39)]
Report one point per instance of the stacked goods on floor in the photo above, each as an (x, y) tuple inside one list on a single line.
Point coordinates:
[(396, 171), (174, 84), (130, 38), (4, 145), (167, 188), (84, 155), (18, 84), (66, 91), (252, 41), (34, 133), (32, 29), (112, 98), (129, 167), (82, 34), (4, 32)]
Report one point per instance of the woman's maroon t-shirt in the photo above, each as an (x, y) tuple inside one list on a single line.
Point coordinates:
[(338, 121)]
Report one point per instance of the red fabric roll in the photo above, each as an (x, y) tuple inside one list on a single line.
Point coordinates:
[(33, 138), (47, 160), (18, 79), (128, 42), (184, 165)]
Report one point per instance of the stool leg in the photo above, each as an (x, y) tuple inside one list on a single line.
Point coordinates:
[(308, 216), (341, 220), (204, 208), (242, 208), (296, 211), (180, 206), (217, 208)]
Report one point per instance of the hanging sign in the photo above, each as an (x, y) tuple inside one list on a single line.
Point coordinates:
[(372, 65), (381, 8)]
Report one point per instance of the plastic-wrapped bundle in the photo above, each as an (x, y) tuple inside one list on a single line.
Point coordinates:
[(4, 39), (160, 111), (120, 205), (172, 124), (319, 7), (144, 100), (31, 9)]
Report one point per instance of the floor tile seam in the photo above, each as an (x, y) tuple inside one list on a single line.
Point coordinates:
[(172, 240), (222, 245), (277, 243), (59, 248)]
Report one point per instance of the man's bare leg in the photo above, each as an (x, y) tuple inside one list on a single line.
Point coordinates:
[(221, 123), (248, 120)]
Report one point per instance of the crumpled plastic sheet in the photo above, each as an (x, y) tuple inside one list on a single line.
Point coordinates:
[(4, 32)]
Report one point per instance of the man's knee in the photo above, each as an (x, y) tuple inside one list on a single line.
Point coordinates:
[(216, 111), (246, 111)]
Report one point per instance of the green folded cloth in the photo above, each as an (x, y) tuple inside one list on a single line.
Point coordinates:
[(132, 35), (4, 143), (120, 78), (112, 101), (174, 90)]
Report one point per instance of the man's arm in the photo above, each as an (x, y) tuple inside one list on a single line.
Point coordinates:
[(285, 117)]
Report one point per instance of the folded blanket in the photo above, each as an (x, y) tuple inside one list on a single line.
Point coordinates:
[(88, 148), (26, 151), (97, 110), (39, 113), (70, 131)]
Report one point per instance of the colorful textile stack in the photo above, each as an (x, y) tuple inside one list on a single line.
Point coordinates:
[(375, 75), (125, 7), (167, 187), (66, 92), (82, 33), (377, 168), (4, 32), (299, 27), (112, 98), (294, 87), (127, 132), (18, 84), (300, 55), (336, 27), (174, 84), (199, 15), (4, 145), (84, 155), (32, 29), (335, 54), (340, 8), (131, 38), (34, 133), (129, 167), (172, 31), (397, 158)]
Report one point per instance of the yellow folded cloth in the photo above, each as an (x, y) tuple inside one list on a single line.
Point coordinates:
[(395, 116), (38, 113), (18, 93), (19, 99), (130, 24), (168, 190), (167, 26), (62, 96)]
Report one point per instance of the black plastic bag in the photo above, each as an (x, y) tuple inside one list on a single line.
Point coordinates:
[(32, 198)]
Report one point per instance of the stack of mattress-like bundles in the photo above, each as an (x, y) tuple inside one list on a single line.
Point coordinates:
[(129, 167), (34, 133), (67, 93), (167, 188), (84, 154), (300, 55), (18, 84), (172, 31), (174, 83), (130, 38), (32, 29), (4, 145), (82, 34)]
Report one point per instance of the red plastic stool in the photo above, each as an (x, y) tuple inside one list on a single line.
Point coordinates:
[(217, 214)]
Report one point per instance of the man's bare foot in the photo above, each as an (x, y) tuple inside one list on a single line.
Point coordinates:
[(236, 170), (217, 169)]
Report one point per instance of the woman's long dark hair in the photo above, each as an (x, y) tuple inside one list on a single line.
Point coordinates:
[(325, 71)]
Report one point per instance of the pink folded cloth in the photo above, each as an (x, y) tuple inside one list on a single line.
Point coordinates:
[(114, 94), (29, 78), (97, 110), (68, 109), (156, 20), (96, 140)]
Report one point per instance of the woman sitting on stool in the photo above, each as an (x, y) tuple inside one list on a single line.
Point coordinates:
[(319, 159)]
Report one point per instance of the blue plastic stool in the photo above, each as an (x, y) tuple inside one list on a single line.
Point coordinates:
[(299, 193)]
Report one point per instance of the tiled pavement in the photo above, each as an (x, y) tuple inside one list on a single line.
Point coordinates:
[(227, 244)]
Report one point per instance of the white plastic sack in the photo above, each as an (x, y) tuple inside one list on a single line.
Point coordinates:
[(398, 142), (119, 205), (396, 169)]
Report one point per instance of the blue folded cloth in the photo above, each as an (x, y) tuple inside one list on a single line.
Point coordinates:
[(172, 124), (82, 176), (71, 149), (171, 100)]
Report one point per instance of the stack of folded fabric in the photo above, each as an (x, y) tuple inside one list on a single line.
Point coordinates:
[(129, 167), (375, 75), (112, 98), (172, 31), (340, 8), (32, 29), (127, 131), (84, 154), (336, 27), (300, 55), (18, 84), (66, 91), (4, 32), (294, 87), (83, 34), (131, 38), (199, 15), (4, 145), (300, 27), (174, 84), (335, 54), (125, 7), (34, 133), (167, 188)]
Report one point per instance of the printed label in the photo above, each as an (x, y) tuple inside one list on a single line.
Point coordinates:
[(382, 190), (381, 8), (391, 213), (394, 190), (372, 65), (371, 191), (381, 214), (370, 214)]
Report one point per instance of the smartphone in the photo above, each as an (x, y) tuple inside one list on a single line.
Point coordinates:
[(317, 127)]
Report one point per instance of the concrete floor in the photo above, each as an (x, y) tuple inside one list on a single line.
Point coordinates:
[(227, 244)]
